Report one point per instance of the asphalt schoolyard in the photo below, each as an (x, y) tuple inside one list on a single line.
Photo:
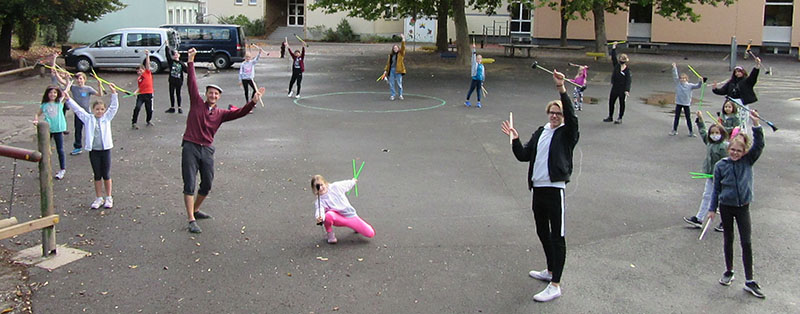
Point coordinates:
[(440, 185)]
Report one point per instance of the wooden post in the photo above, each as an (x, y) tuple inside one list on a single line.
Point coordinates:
[(46, 187)]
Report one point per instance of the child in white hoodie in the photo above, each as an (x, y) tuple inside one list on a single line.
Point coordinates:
[(333, 208)]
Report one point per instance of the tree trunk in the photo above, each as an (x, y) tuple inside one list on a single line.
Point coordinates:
[(5, 39), (564, 21), (598, 10), (442, 7), (462, 37)]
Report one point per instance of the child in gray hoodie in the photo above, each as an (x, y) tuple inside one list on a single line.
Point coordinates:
[(683, 99)]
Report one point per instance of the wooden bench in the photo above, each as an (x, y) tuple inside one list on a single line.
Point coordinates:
[(509, 49), (651, 47), (596, 55)]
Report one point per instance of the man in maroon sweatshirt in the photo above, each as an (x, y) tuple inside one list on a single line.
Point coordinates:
[(198, 153)]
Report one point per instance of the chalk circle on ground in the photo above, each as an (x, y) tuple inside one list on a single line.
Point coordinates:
[(357, 102)]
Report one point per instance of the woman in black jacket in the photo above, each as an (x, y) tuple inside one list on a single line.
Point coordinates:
[(549, 157), (740, 86), (620, 85)]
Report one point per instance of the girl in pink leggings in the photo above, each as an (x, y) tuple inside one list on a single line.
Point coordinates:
[(333, 208)]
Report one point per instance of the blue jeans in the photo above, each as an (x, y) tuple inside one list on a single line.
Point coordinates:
[(701, 213), (476, 84), (395, 77)]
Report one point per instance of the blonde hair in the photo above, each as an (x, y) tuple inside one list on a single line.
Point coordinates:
[(555, 103), (623, 55), (80, 74), (742, 139), (98, 103), (317, 179)]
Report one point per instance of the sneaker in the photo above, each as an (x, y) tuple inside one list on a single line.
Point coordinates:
[(391, 97), (134, 126), (201, 215), (691, 134), (478, 105), (76, 151), (109, 202), (180, 110), (548, 294), (541, 275), (60, 174), (580, 108), (618, 121), (726, 279), (290, 94), (719, 228), (694, 222), (97, 203), (149, 123), (297, 96), (332, 238), (754, 289), (194, 228), (170, 110), (673, 133), (466, 103), (608, 119), (401, 98)]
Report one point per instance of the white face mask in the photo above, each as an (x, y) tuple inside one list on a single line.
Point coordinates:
[(715, 137)]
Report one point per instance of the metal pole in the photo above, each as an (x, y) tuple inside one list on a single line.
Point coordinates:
[(46, 187), (733, 53)]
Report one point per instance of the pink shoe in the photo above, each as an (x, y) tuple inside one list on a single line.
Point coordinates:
[(332, 238)]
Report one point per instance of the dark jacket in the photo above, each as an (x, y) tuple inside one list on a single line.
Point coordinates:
[(620, 80), (559, 161), (740, 88), (733, 180), (175, 73)]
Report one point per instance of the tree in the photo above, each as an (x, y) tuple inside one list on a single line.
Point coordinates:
[(13, 12), (375, 9)]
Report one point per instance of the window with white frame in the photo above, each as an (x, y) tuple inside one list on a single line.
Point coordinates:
[(390, 12), (238, 2), (778, 13), (171, 16), (253, 2)]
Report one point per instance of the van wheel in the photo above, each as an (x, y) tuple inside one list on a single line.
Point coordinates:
[(221, 61), (84, 64), (154, 66)]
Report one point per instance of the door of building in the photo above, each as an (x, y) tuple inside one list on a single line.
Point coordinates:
[(640, 19), (296, 14)]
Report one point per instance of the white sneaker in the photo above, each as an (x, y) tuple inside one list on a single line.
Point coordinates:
[(541, 275), (60, 174), (297, 96), (391, 97), (109, 202), (290, 94), (548, 294), (97, 203), (401, 97)]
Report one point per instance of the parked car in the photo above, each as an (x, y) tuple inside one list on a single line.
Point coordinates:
[(124, 48), (222, 44)]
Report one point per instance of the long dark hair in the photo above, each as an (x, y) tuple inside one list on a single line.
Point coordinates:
[(721, 132), (46, 99)]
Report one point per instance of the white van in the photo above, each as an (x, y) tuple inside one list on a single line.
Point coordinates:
[(124, 48)]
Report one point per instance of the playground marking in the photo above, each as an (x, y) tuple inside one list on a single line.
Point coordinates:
[(298, 101)]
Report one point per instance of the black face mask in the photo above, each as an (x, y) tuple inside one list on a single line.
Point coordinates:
[(622, 62)]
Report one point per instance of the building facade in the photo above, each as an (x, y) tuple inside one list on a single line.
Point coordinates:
[(138, 13)]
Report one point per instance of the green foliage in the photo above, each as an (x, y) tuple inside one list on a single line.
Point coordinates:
[(48, 34), (26, 31), (379, 39), (343, 33), (251, 28)]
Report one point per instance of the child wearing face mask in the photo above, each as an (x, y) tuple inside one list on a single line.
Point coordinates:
[(733, 193), (730, 116), (716, 149), (332, 208)]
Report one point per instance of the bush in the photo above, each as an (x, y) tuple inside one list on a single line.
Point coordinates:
[(48, 35), (343, 33), (251, 28), (379, 39), (26, 31)]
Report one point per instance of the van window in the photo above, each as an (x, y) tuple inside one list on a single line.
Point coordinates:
[(113, 40), (217, 34), (190, 33), (144, 40)]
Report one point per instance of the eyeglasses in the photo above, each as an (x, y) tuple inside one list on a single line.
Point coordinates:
[(557, 113)]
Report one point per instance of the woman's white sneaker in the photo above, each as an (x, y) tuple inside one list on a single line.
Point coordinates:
[(548, 294), (97, 203), (109, 202), (541, 275)]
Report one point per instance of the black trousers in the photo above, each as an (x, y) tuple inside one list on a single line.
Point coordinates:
[(548, 212), (147, 101), (297, 75), (612, 98), (247, 94), (101, 164), (476, 84), (78, 133), (196, 158), (741, 215), (686, 113), (175, 92)]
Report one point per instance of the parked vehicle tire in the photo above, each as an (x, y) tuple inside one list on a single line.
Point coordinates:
[(83, 64), (221, 61), (154, 66)]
